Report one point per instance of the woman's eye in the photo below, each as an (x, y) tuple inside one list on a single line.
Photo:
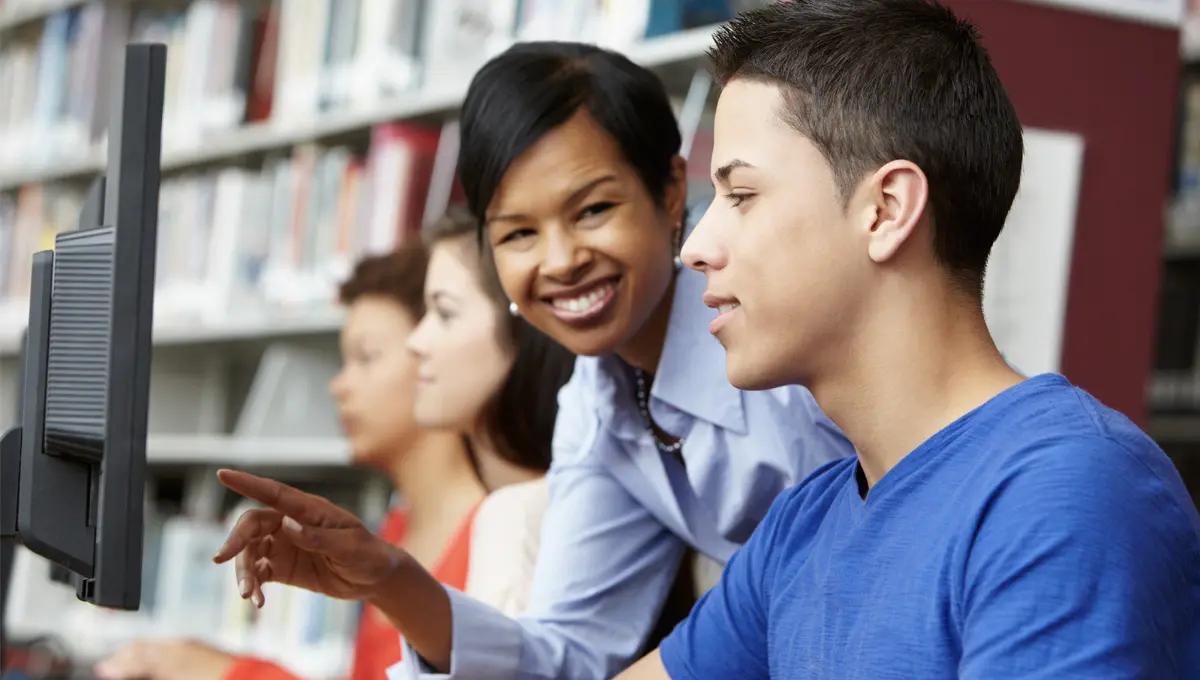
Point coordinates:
[(596, 209), (516, 235), (736, 199)]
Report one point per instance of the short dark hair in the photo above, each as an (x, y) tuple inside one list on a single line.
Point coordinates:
[(398, 276), (871, 81), (520, 417), (533, 87)]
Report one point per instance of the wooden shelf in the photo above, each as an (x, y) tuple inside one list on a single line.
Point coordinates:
[(219, 450), (321, 321)]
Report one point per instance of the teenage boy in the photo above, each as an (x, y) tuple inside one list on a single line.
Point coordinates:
[(992, 525)]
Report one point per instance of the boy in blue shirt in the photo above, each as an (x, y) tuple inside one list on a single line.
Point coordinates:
[(992, 526)]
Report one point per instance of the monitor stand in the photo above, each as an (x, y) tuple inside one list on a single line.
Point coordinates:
[(10, 481)]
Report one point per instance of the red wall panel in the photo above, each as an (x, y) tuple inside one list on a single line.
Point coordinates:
[(1115, 82)]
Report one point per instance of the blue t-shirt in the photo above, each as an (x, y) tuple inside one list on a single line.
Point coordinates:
[(1042, 535)]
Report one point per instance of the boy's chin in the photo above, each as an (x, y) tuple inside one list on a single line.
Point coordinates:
[(751, 373)]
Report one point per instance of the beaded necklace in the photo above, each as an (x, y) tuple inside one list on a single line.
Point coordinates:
[(643, 402)]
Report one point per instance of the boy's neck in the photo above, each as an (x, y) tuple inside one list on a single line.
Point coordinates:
[(914, 368)]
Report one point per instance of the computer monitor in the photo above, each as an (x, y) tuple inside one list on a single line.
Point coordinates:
[(74, 467)]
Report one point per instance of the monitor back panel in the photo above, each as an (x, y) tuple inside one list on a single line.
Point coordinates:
[(77, 370)]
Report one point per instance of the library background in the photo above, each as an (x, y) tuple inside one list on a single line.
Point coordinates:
[(301, 134)]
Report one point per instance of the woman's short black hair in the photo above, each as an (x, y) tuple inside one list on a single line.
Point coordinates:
[(533, 87), (520, 417)]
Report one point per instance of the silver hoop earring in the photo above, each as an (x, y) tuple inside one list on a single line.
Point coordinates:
[(513, 309)]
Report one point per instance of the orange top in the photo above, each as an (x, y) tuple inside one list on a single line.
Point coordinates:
[(377, 645)]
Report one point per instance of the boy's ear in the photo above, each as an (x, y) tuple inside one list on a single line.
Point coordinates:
[(898, 192)]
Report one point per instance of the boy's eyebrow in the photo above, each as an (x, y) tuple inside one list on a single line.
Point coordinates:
[(722, 173)]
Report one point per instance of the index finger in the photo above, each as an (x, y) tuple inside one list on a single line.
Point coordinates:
[(303, 507), (251, 527)]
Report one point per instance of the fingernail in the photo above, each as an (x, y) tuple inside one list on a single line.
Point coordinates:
[(292, 525), (257, 600), (244, 586)]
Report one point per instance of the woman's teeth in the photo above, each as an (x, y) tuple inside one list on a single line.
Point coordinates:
[(728, 307), (583, 302)]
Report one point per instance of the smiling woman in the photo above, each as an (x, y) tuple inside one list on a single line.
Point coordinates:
[(583, 248), (583, 200)]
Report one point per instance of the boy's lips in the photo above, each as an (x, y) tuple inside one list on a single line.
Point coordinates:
[(724, 305)]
